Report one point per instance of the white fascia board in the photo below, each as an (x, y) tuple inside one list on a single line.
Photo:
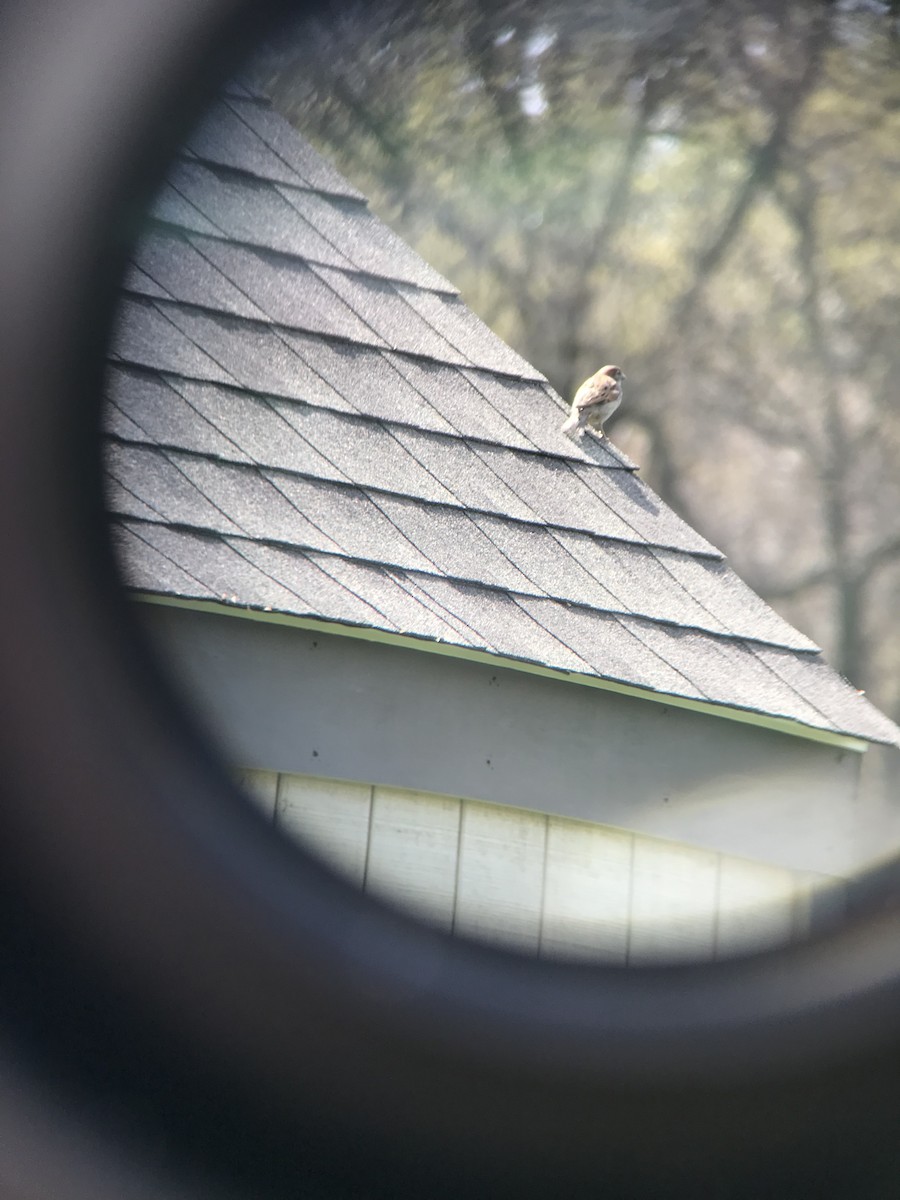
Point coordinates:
[(366, 633)]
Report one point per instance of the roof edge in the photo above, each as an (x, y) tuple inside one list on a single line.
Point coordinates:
[(365, 633)]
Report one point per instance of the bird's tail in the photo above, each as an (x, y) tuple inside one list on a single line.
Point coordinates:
[(570, 424)]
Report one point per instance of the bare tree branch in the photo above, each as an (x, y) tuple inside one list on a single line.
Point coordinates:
[(764, 163), (578, 299)]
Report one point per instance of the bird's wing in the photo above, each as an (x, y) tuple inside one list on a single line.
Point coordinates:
[(595, 391)]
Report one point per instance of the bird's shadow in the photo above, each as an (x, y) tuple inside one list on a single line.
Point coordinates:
[(638, 492), (602, 452), (599, 450)]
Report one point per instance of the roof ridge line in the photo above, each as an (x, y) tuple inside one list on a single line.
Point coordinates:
[(248, 94), (453, 293), (379, 564), (225, 99)]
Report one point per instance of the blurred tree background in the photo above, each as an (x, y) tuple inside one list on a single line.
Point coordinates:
[(707, 192)]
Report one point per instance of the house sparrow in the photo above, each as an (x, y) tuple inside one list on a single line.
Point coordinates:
[(596, 399)]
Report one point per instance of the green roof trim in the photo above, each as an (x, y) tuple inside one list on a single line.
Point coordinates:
[(369, 634)]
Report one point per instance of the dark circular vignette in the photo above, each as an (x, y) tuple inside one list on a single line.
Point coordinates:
[(203, 999)]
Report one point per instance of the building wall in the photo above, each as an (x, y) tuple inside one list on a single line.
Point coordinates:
[(306, 703), (547, 885)]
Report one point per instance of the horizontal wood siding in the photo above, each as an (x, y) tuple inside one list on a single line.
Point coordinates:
[(545, 884)]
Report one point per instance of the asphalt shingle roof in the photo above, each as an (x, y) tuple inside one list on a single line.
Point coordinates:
[(304, 417)]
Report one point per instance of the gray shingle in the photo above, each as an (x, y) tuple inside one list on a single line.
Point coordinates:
[(155, 412), (352, 521), (451, 540), (222, 137), (258, 427), (384, 311), (310, 591), (251, 211), (842, 704), (253, 355), (728, 599), (463, 473), (726, 672), (501, 624), (609, 648), (148, 569), (254, 501), (639, 581), (648, 517), (152, 477), (453, 320), (170, 261), (368, 382), (299, 156), (286, 291), (465, 636), (556, 495), (551, 490), (117, 425), (123, 501), (361, 452), (599, 451), (139, 281), (172, 208), (227, 575), (368, 244), (544, 562), (145, 336), (457, 400), (388, 592)]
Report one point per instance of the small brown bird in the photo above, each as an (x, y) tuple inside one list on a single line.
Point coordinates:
[(596, 399)]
